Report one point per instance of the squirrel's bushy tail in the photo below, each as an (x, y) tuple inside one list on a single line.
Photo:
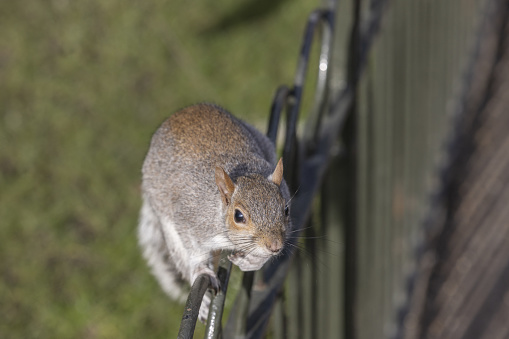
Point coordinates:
[(155, 252)]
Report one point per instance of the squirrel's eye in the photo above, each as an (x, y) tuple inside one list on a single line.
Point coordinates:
[(239, 217), (287, 210)]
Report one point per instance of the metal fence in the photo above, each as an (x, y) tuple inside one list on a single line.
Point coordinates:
[(305, 160), (406, 101), (364, 170)]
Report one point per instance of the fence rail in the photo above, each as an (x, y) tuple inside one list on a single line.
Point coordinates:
[(361, 173)]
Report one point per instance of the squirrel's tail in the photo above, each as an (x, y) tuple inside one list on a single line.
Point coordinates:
[(155, 252)]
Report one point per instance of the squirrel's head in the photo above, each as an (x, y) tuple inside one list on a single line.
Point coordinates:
[(257, 213)]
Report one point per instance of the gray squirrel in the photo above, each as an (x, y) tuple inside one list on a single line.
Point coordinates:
[(210, 183)]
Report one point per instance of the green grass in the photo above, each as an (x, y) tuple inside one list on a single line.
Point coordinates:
[(83, 85)]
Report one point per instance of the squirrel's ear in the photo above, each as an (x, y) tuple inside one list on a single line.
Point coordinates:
[(277, 176), (225, 185)]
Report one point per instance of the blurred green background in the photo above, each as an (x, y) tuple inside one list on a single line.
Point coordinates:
[(83, 85)]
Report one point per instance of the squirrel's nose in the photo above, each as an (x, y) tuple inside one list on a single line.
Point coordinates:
[(275, 245)]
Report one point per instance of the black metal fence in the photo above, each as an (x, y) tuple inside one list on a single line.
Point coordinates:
[(363, 171)]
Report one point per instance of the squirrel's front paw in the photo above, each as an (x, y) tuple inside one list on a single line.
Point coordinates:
[(236, 257), (247, 262), (214, 281)]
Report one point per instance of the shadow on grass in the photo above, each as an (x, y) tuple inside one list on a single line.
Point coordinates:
[(243, 14)]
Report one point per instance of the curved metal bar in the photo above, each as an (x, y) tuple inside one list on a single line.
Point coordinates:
[(279, 102), (326, 18), (321, 91), (192, 307), (213, 329)]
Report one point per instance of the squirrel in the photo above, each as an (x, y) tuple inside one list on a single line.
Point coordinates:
[(210, 183)]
